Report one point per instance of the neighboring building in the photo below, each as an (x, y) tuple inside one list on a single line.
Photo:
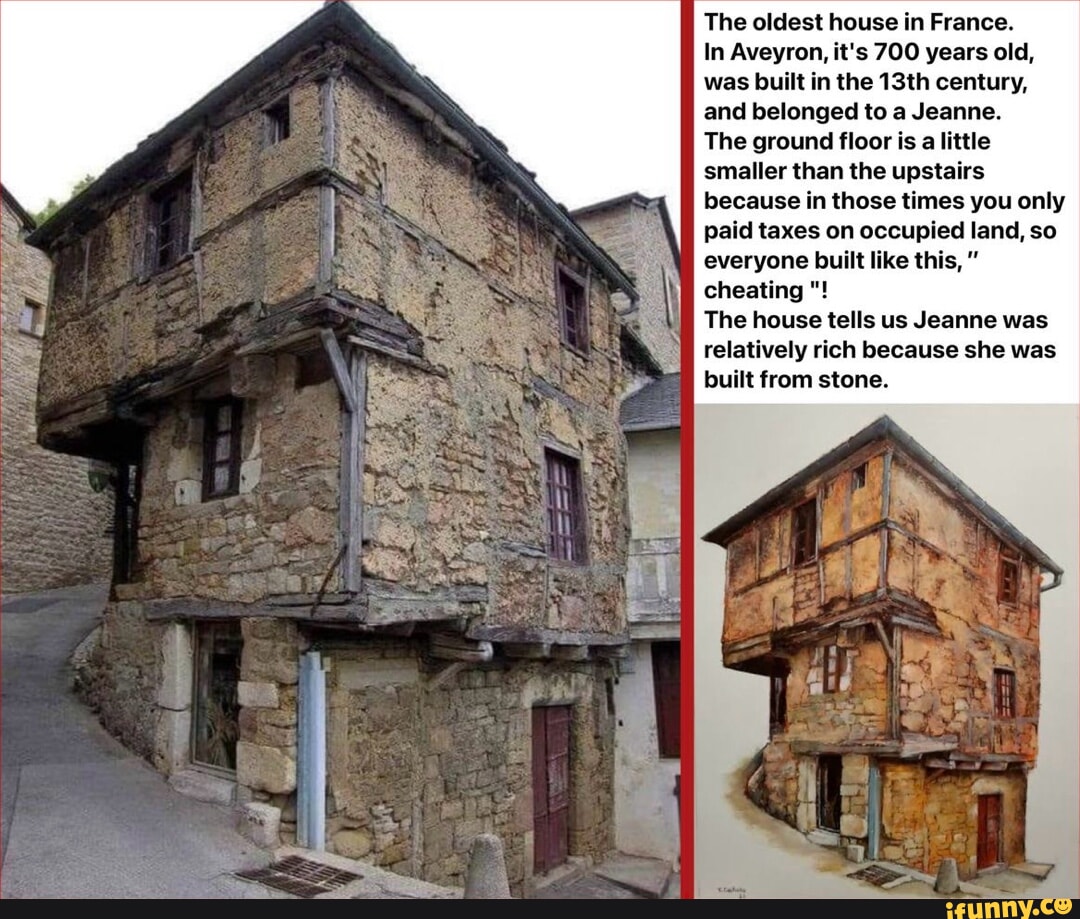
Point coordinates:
[(647, 692), (53, 527), (360, 378), (637, 232), (895, 618)]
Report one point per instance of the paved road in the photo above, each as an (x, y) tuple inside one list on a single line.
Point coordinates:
[(80, 815)]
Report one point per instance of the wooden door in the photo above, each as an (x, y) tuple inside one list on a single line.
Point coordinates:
[(828, 790), (989, 831), (551, 786)]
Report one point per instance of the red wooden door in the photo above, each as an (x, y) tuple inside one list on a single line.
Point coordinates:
[(551, 786), (989, 831)]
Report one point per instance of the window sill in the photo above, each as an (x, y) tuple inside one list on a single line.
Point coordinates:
[(38, 336), (567, 563), (584, 355), (158, 273)]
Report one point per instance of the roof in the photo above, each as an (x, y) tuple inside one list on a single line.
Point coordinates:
[(654, 407), (883, 429), (25, 218), (641, 200), (341, 23)]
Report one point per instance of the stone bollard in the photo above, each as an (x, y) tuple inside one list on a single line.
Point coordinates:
[(948, 880), (486, 877)]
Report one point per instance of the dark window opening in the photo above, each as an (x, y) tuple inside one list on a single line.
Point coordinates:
[(804, 533), (217, 671), (221, 448), (828, 803), (777, 702), (170, 220), (128, 486), (312, 369), (858, 477), (277, 122), (1008, 580), (673, 308), (667, 689), (1004, 694), (833, 662), (565, 511), (32, 319), (573, 308)]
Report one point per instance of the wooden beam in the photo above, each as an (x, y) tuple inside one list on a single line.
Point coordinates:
[(448, 672), (358, 372), (528, 651), (340, 368), (570, 652), (893, 676), (884, 639)]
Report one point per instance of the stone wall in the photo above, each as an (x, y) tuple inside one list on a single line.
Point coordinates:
[(115, 319), (53, 524), (927, 819), (415, 772), (279, 534)]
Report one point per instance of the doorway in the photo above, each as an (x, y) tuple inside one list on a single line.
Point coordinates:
[(828, 793), (551, 786), (990, 810), (215, 726)]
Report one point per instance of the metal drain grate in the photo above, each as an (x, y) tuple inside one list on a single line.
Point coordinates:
[(300, 876), (876, 875)]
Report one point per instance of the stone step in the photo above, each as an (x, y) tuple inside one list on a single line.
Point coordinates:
[(824, 838), (647, 877), (204, 786)]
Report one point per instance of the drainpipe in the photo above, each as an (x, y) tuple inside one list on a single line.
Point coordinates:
[(311, 754)]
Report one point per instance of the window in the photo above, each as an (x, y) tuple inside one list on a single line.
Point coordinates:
[(277, 122), (858, 477), (671, 293), (777, 702), (1008, 580), (221, 448), (170, 221), (804, 533), (32, 319), (667, 689), (833, 661), (566, 516), (573, 308), (1004, 694)]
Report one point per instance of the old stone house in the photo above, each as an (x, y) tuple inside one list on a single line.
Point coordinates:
[(54, 525), (895, 616), (637, 232), (359, 376)]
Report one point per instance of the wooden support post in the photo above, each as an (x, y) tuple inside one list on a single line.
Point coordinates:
[(352, 465), (340, 368), (892, 675)]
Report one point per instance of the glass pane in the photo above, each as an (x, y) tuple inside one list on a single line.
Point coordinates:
[(215, 725), (223, 447), (221, 479)]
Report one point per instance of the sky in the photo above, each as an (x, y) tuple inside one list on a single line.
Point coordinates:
[(585, 93)]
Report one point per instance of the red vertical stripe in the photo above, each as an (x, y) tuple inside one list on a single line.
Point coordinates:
[(686, 277)]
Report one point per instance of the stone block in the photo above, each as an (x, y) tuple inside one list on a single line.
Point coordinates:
[(172, 742), (174, 693), (261, 823), (265, 768), (352, 843), (855, 853), (257, 695), (852, 825)]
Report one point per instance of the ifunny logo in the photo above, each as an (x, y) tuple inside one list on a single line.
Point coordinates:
[(1008, 909)]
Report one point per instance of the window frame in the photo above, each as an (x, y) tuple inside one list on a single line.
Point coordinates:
[(574, 489), (858, 477), (805, 550), (1004, 702), (673, 304), (211, 433), (831, 676), (277, 122), (177, 188), (579, 331), (668, 704), (36, 329), (1007, 592)]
